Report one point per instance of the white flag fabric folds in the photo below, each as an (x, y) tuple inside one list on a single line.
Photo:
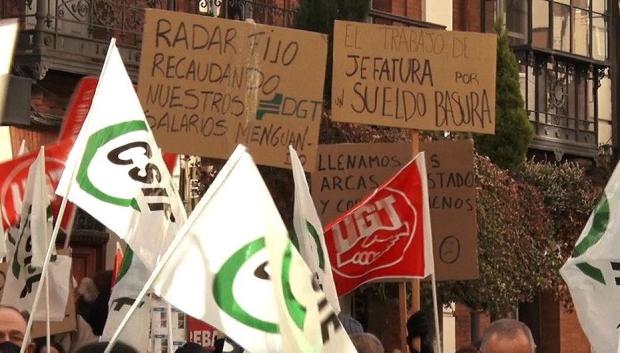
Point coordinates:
[(130, 280), (309, 233), (593, 271), (115, 171), (37, 198), (308, 323), (221, 271), (28, 246), (22, 282)]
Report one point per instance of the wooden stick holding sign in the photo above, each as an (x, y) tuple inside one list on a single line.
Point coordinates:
[(415, 283)]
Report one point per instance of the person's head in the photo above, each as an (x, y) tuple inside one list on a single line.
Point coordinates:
[(507, 336), (41, 346), (12, 329), (366, 343), (350, 325), (419, 327), (99, 347), (191, 347), (87, 290)]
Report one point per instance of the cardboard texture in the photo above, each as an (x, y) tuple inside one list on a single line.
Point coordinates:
[(414, 78), (207, 84), (38, 327), (452, 192), (347, 172)]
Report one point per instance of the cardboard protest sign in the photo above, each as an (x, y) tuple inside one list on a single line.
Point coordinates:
[(452, 200), (414, 78), (207, 84), (347, 172)]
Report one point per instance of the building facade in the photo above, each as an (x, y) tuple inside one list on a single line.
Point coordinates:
[(567, 51)]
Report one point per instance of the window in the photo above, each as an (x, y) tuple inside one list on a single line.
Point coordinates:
[(540, 23), (578, 27), (514, 14), (561, 27), (599, 36), (581, 31), (560, 99), (515, 17)]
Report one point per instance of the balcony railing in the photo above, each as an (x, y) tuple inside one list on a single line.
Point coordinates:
[(73, 35), (388, 18), (564, 133)]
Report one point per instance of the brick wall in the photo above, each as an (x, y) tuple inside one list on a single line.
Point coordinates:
[(572, 338), (466, 15), (406, 8), (463, 327), (51, 95), (34, 138)]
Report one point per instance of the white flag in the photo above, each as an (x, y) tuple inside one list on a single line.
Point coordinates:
[(23, 149), (37, 198), (28, 245), (219, 272), (308, 323), (309, 233), (593, 271), (131, 278), (119, 176), (22, 282)]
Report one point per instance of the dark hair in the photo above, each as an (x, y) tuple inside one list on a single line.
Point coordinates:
[(41, 343), (418, 326), (191, 347), (99, 347)]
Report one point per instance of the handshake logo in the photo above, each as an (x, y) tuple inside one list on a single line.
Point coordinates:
[(375, 235)]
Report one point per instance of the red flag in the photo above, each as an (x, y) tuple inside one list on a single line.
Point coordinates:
[(385, 236), (118, 263), (13, 176), (78, 108)]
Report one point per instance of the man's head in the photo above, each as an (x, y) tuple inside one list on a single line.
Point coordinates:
[(507, 336), (12, 328), (99, 347), (366, 343)]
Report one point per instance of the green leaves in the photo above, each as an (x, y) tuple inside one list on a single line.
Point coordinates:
[(528, 223), (513, 131)]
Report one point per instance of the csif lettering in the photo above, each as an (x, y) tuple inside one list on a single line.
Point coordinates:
[(152, 173)]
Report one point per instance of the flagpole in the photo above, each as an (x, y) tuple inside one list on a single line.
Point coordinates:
[(228, 167), (52, 244), (48, 338), (44, 271), (170, 335), (436, 313)]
